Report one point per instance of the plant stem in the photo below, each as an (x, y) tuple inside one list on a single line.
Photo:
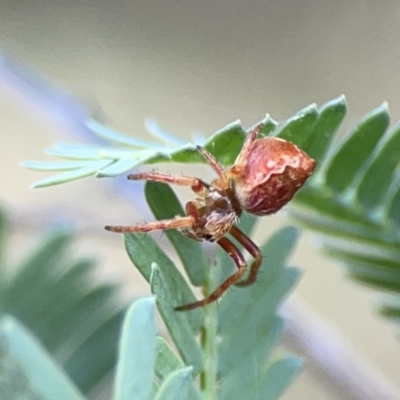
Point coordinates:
[(209, 340)]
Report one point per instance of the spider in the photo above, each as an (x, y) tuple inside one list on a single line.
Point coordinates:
[(265, 176)]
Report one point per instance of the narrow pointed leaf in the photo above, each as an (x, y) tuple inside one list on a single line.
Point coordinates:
[(392, 213), (298, 128), (159, 132), (176, 322), (354, 150), (165, 205), (143, 251), (100, 349), (226, 143), (120, 167), (275, 255), (330, 116), (264, 305), (45, 377), (137, 352), (54, 166), (381, 171), (167, 361), (263, 335), (69, 176), (88, 152), (45, 257), (3, 242), (269, 126), (119, 138), (176, 386), (61, 302), (269, 384)]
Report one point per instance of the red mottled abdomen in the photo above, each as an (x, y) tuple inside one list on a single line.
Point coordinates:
[(273, 172)]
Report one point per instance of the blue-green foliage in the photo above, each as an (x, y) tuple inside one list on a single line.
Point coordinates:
[(351, 202)]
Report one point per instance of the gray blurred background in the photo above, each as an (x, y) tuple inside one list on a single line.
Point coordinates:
[(196, 66)]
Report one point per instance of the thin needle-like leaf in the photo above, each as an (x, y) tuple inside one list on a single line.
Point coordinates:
[(119, 138), (160, 133), (69, 176)]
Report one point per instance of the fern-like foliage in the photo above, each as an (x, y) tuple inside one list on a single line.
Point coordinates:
[(56, 296), (128, 152), (352, 201)]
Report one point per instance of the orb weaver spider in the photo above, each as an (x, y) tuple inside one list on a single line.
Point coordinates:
[(265, 176)]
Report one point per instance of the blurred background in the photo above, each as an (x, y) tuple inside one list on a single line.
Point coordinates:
[(194, 66)]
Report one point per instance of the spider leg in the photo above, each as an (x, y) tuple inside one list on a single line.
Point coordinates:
[(176, 223), (241, 159), (216, 166), (196, 184), (253, 249), (240, 262)]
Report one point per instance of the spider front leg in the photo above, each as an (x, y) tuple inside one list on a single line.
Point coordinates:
[(253, 249), (240, 262), (176, 223), (243, 156), (196, 184)]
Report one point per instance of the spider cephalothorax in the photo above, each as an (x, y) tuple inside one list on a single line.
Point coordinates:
[(265, 176)]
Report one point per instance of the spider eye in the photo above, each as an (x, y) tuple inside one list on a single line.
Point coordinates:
[(208, 237)]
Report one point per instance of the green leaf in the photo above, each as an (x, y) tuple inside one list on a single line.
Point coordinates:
[(351, 154), (309, 127), (268, 128), (45, 377), (61, 302), (247, 318), (177, 322), (122, 166), (90, 169), (167, 361), (116, 137), (3, 242), (352, 201), (275, 254), (381, 171), (137, 352), (176, 386), (165, 205), (298, 128), (100, 349), (263, 336), (268, 384), (54, 166), (330, 116), (143, 251), (160, 133)]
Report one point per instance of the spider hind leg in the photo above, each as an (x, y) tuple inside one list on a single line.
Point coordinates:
[(240, 262)]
